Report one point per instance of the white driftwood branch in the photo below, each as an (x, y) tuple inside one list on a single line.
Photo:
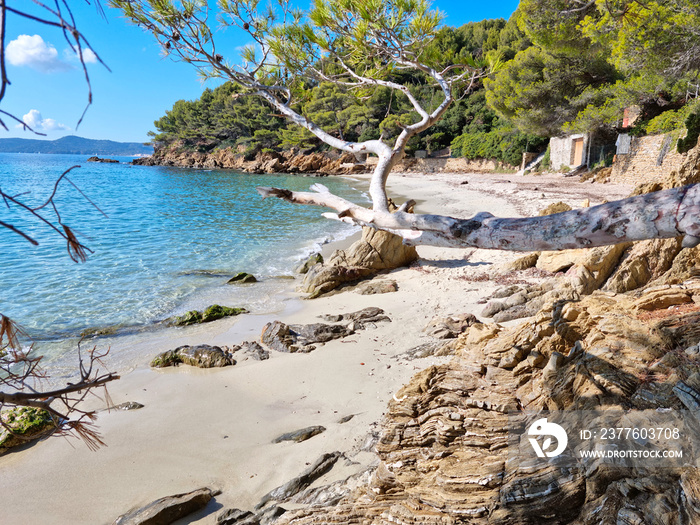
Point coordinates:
[(663, 214)]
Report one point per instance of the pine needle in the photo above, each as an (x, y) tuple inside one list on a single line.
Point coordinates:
[(10, 331), (76, 251)]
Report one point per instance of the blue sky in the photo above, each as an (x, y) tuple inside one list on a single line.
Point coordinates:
[(48, 88)]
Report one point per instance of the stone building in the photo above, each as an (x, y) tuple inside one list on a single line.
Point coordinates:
[(570, 151)]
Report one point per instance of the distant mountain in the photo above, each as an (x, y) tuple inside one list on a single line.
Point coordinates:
[(75, 146)]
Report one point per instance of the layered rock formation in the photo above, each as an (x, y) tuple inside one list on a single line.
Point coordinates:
[(443, 448)]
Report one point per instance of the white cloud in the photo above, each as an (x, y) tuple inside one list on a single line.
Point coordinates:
[(89, 57), (32, 51), (34, 120)]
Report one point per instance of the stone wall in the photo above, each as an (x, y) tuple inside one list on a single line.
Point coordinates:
[(649, 159), (442, 164)]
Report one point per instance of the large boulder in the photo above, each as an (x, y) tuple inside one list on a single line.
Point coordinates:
[(20, 425), (376, 251), (201, 356)]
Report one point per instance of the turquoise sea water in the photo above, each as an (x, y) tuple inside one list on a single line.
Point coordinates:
[(170, 240)]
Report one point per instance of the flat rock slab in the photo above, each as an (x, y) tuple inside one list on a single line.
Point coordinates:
[(377, 287), (302, 481), (371, 314), (165, 511), (128, 405), (244, 517), (300, 435)]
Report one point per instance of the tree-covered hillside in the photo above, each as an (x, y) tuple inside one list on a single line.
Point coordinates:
[(75, 146), (558, 67), (223, 117)]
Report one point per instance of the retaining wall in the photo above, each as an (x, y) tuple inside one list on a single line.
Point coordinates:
[(649, 159), (444, 164)]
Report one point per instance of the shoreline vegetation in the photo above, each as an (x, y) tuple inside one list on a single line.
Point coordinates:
[(217, 427)]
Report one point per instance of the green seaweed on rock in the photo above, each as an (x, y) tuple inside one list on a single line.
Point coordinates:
[(24, 424), (212, 313)]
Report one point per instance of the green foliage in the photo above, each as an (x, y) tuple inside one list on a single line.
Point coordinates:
[(225, 117), (647, 37), (671, 120), (595, 116), (546, 160), (692, 124), (666, 122), (539, 92), (588, 62), (218, 116), (504, 144)]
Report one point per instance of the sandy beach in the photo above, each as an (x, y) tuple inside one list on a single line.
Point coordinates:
[(214, 428)]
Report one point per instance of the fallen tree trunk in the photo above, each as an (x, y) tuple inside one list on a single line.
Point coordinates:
[(658, 215)]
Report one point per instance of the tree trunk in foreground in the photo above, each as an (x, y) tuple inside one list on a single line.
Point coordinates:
[(663, 214)]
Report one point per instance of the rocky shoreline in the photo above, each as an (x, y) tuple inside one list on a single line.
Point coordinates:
[(309, 163), (615, 329), (263, 162)]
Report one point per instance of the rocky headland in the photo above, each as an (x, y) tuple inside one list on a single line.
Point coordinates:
[(293, 161)]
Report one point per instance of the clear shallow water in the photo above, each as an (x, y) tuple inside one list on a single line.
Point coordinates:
[(171, 240)]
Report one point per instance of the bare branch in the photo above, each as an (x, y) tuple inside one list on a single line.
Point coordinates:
[(76, 250), (18, 368), (19, 232)]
